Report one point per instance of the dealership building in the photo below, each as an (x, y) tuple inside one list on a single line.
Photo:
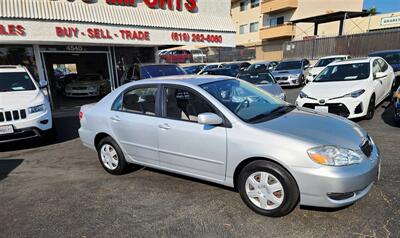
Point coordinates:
[(54, 38)]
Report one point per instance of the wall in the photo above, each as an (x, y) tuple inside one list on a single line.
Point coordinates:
[(246, 17)]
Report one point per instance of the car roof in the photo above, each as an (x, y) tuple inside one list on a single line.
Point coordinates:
[(189, 79), (384, 51), (333, 56), (290, 60), (12, 68), (355, 60)]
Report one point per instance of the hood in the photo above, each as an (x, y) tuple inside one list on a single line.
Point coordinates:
[(86, 83), (21, 99), (323, 90), (285, 72), (316, 128), (272, 88), (316, 70)]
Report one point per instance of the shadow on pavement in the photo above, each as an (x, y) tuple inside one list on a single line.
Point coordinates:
[(6, 166), (66, 129), (388, 115)]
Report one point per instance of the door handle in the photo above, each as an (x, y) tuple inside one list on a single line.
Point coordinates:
[(164, 126), (116, 119)]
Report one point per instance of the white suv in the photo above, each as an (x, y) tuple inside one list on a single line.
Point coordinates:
[(25, 111)]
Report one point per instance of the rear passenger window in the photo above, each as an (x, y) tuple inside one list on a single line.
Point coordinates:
[(140, 100), (184, 105)]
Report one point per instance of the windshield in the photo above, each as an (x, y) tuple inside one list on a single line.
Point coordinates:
[(232, 66), (344, 72), (193, 69), (246, 101), (391, 58), (257, 67), (154, 71), (288, 65), (10, 82), (325, 62), (261, 78)]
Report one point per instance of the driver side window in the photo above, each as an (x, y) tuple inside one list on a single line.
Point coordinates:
[(182, 104)]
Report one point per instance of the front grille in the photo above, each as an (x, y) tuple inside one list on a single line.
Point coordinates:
[(79, 88), (334, 108), (14, 115), (281, 78), (366, 147)]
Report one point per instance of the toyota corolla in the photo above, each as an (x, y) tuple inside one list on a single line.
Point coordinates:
[(229, 132)]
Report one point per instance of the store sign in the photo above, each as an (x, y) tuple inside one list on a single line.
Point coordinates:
[(12, 30), (101, 33), (390, 20), (189, 5)]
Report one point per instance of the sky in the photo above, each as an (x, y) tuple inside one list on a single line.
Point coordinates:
[(383, 6)]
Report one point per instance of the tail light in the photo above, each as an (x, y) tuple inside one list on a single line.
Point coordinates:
[(80, 115)]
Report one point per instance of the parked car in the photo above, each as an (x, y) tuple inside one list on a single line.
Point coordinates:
[(60, 83), (351, 88), (194, 69), (238, 66), (25, 112), (225, 72), (262, 66), (397, 106), (176, 56), (198, 56), (212, 66), (291, 72), (322, 63), (393, 58), (264, 80), (145, 71), (273, 153), (88, 85)]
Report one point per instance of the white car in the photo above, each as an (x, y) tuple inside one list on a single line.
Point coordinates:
[(322, 63), (198, 56), (25, 111), (350, 88)]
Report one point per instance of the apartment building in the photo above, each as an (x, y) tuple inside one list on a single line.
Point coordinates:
[(273, 17)]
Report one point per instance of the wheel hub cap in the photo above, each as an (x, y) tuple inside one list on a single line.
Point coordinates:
[(109, 157)]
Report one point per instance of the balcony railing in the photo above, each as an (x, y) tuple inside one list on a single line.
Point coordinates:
[(277, 32), (276, 6)]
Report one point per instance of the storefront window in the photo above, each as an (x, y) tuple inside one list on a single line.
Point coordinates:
[(19, 55)]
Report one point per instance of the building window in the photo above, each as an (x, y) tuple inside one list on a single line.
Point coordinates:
[(242, 29), (255, 3), (244, 5), (254, 27), (274, 21)]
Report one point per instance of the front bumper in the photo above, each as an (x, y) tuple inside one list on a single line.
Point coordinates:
[(351, 183), (30, 127), (346, 107), (82, 93), (289, 81)]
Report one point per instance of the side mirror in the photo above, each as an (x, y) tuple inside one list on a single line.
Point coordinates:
[(208, 118), (380, 75), (43, 84)]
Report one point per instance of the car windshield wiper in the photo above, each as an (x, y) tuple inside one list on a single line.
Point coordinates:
[(273, 113)]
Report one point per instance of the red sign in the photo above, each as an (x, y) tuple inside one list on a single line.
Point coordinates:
[(12, 30), (200, 38), (190, 5)]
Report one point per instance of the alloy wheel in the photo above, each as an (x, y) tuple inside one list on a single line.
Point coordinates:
[(109, 157)]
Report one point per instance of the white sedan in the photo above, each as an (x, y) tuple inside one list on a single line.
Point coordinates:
[(351, 88), (322, 63)]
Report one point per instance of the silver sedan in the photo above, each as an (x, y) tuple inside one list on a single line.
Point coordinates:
[(229, 132)]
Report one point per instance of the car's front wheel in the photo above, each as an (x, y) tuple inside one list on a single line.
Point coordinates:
[(371, 109), (268, 189), (111, 157)]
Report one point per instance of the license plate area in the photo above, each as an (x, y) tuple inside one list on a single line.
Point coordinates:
[(6, 130), (324, 109)]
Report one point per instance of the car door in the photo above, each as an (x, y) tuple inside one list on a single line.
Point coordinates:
[(185, 145), (388, 80), (134, 122), (379, 85)]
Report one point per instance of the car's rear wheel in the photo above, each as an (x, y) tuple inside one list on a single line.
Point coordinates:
[(268, 189), (371, 109), (111, 157)]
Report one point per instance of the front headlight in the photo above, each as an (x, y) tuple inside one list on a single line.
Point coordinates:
[(303, 95), (36, 109), (335, 156), (294, 76), (355, 94)]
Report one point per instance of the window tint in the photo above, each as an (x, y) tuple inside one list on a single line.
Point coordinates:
[(140, 100), (182, 104)]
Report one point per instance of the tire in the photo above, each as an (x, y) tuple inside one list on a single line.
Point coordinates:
[(371, 109), (111, 157), (257, 197)]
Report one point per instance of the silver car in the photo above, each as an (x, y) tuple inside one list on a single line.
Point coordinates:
[(229, 132)]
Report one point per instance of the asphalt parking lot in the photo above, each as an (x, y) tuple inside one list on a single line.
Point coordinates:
[(61, 190)]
